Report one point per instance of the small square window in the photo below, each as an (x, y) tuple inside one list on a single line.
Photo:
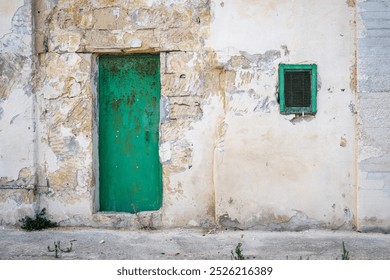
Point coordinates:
[(298, 88)]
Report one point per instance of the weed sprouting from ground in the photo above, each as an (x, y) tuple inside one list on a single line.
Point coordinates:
[(237, 254), (345, 254), (58, 250), (38, 223), (144, 226)]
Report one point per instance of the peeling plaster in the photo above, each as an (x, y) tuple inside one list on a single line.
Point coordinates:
[(8, 8), (351, 3), (165, 153)]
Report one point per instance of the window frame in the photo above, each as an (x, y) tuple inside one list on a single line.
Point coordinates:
[(312, 109)]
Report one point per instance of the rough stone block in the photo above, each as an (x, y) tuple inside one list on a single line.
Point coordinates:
[(99, 39), (185, 107), (64, 42), (109, 18)]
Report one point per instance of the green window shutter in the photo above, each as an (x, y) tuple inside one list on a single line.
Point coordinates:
[(298, 88)]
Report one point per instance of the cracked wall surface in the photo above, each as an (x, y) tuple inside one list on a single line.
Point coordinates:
[(229, 157)]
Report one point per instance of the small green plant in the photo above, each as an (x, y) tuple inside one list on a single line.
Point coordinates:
[(345, 254), (237, 254), (38, 223)]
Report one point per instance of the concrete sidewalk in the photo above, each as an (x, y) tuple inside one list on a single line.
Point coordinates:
[(105, 244)]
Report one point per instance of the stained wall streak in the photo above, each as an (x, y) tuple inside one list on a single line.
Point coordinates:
[(374, 115)]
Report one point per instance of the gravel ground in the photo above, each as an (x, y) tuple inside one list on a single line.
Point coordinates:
[(191, 244)]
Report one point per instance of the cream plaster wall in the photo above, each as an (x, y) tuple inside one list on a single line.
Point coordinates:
[(280, 171)]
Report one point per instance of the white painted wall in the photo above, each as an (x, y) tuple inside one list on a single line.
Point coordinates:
[(269, 171), (17, 127)]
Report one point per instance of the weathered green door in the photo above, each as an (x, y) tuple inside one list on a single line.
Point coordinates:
[(129, 114)]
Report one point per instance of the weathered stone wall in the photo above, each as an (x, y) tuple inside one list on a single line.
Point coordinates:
[(229, 157), (374, 115), (17, 127), (70, 36)]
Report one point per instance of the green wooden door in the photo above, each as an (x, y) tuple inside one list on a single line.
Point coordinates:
[(129, 115)]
